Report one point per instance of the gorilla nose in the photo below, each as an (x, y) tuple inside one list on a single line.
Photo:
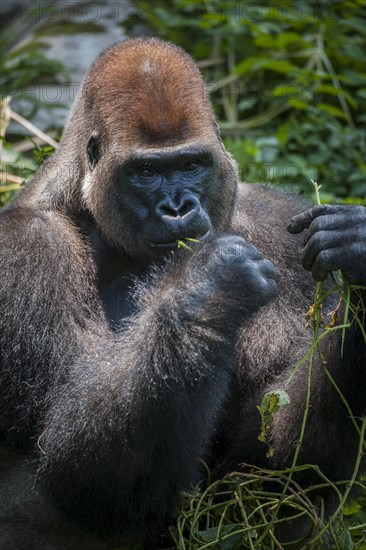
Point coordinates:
[(180, 211)]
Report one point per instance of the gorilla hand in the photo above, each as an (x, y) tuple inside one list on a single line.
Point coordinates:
[(239, 268), (336, 239), (231, 280)]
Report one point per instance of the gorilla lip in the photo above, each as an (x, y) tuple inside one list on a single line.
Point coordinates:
[(173, 244)]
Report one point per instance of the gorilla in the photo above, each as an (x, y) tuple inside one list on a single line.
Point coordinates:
[(126, 359)]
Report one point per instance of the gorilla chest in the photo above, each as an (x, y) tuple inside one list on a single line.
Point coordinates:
[(116, 279), (117, 299)]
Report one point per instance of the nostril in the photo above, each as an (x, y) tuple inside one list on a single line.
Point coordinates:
[(185, 207), (166, 210)]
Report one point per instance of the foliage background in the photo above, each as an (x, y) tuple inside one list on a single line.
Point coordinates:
[(288, 84), (287, 80)]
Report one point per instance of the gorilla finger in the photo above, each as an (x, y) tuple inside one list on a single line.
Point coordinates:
[(322, 240), (253, 252), (264, 290), (354, 211), (233, 251), (230, 246), (267, 269), (328, 261), (322, 265), (237, 252), (338, 221), (302, 221), (269, 291)]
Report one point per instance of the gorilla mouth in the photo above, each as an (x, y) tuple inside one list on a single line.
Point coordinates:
[(174, 244)]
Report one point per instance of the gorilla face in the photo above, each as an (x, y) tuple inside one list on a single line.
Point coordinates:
[(153, 168), (168, 194), (155, 197)]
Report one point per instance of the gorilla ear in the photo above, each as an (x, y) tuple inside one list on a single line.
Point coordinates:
[(93, 150), (217, 129), (218, 133)]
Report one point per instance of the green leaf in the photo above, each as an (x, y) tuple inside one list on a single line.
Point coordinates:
[(297, 104), (329, 89), (352, 508), (282, 134), (286, 38), (256, 63), (334, 111), (211, 535), (249, 64), (280, 41), (345, 541), (271, 404), (279, 66)]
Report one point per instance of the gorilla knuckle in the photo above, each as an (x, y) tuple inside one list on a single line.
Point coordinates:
[(359, 213), (242, 256), (228, 241), (324, 258), (259, 276), (268, 268), (317, 225), (322, 210), (230, 250), (320, 240)]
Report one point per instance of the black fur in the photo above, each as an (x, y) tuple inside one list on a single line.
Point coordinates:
[(122, 363)]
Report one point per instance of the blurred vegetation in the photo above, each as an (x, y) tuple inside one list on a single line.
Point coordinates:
[(287, 80), (288, 84), (22, 67)]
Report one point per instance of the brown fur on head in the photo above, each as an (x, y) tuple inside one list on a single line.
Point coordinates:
[(141, 94), (150, 92)]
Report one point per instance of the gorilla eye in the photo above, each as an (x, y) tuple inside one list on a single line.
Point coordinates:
[(146, 172), (192, 165), (93, 150)]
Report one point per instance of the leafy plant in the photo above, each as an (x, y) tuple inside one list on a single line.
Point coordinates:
[(22, 66), (287, 82)]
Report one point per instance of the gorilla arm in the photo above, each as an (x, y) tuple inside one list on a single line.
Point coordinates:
[(272, 344), (125, 432), (122, 419), (48, 306), (335, 240)]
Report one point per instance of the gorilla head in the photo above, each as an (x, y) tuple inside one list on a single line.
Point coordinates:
[(150, 162)]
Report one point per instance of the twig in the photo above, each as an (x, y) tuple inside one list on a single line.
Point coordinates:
[(32, 128)]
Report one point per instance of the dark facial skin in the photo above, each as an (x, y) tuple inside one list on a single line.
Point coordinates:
[(170, 189), (164, 191)]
